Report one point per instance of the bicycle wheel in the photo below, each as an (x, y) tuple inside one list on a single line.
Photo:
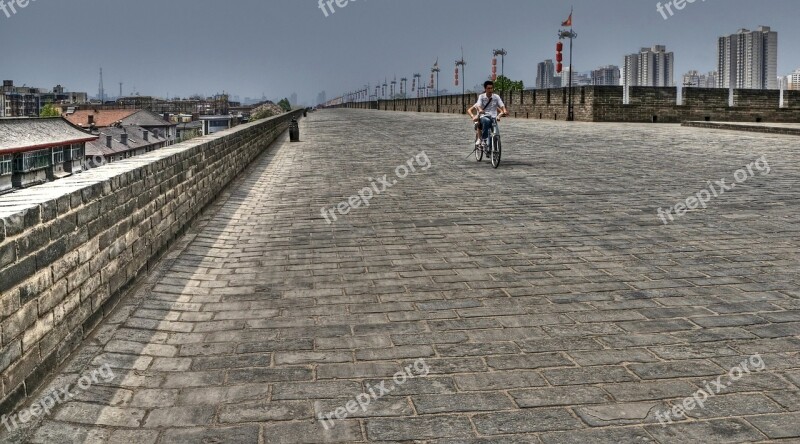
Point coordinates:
[(478, 153), (496, 150)]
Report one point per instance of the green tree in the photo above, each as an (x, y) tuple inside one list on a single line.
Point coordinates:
[(505, 84), (285, 105), (49, 111)]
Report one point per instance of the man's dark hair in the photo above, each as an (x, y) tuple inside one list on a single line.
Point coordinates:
[(487, 83)]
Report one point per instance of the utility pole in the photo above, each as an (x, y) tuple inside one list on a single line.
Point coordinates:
[(502, 53), (571, 35), (436, 70), (462, 64), (101, 90)]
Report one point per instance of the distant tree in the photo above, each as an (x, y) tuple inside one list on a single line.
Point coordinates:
[(49, 111), (285, 105), (505, 84)]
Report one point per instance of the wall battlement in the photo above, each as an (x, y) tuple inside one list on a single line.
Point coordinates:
[(605, 104)]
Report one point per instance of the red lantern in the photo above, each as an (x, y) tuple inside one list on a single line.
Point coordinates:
[(494, 77), (494, 61), (559, 57)]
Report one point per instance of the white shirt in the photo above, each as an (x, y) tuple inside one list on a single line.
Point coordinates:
[(490, 108)]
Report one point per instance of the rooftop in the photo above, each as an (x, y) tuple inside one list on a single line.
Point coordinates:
[(102, 118), (135, 140), (24, 134), (107, 117)]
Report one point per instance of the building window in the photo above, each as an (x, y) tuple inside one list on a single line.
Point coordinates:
[(58, 155), (5, 164), (32, 160), (76, 152)]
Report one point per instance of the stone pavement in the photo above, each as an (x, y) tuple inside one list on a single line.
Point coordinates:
[(544, 301), (771, 128)]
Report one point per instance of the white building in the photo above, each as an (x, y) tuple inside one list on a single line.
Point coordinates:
[(213, 124), (793, 80), (694, 79), (650, 67), (748, 59), (606, 75)]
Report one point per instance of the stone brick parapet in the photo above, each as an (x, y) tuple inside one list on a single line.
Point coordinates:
[(69, 249), (606, 104)]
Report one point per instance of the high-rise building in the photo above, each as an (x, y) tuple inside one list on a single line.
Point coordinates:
[(630, 70), (293, 99), (793, 80), (650, 67), (606, 75), (694, 79), (546, 76), (578, 78), (748, 59), (656, 67), (321, 98), (711, 79)]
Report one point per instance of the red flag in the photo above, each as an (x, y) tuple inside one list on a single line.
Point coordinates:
[(569, 21)]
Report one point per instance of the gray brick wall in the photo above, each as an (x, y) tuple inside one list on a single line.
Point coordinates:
[(605, 104), (69, 249)]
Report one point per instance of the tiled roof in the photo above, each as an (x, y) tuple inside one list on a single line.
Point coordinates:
[(24, 134), (146, 118), (135, 140), (102, 117)]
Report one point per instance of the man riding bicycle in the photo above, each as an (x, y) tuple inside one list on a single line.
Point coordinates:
[(487, 109)]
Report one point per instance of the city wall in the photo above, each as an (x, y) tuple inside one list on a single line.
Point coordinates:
[(606, 104), (69, 249)]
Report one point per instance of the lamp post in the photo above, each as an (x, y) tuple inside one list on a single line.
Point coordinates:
[(416, 83), (436, 70), (571, 35), (462, 64), (403, 86), (502, 53)]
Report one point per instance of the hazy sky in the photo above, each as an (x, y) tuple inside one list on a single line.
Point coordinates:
[(275, 47)]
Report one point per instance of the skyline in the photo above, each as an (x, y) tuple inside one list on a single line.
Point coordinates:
[(200, 47)]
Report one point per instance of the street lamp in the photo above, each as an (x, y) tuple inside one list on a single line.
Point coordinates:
[(436, 70), (502, 53), (416, 83), (571, 35), (403, 86), (462, 64)]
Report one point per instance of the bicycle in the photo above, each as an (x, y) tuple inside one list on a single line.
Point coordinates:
[(494, 149)]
